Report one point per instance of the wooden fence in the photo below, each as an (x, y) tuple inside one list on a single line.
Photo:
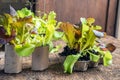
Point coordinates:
[(104, 11)]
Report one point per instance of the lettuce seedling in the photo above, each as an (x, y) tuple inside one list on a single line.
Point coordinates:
[(16, 31), (45, 30), (82, 39)]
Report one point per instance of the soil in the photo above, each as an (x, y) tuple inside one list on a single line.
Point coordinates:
[(67, 51), (84, 58)]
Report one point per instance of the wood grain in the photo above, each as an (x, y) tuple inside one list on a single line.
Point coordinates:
[(110, 27), (56, 72), (118, 23), (71, 11)]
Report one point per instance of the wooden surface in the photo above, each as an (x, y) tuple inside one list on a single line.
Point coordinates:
[(55, 70), (103, 11)]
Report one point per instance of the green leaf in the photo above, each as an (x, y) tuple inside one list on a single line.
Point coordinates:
[(69, 62), (51, 46), (55, 49), (44, 16), (90, 40), (51, 16), (49, 33), (24, 12), (83, 20), (58, 35), (64, 38), (24, 50), (94, 57), (107, 59), (58, 25), (97, 27), (85, 28), (90, 21)]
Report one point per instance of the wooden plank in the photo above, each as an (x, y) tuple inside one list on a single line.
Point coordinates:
[(97, 11), (118, 23), (110, 27), (71, 11), (39, 7)]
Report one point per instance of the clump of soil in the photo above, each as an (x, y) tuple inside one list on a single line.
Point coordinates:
[(85, 58), (67, 51)]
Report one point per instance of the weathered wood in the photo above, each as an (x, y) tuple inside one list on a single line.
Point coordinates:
[(110, 27), (55, 71), (71, 11), (118, 23), (13, 62), (40, 7)]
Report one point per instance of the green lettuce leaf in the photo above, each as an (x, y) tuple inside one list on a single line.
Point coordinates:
[(97, 27), (94, 57), (24, 50), (58, 35), (55, 49), (69, 63), (24, 12), (107, 59), (90, 21)]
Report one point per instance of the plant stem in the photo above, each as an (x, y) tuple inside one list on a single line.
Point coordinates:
[(23, 34)]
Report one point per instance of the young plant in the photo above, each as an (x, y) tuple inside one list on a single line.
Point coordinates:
[(16, 31), (83, 39), (45, 30)]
